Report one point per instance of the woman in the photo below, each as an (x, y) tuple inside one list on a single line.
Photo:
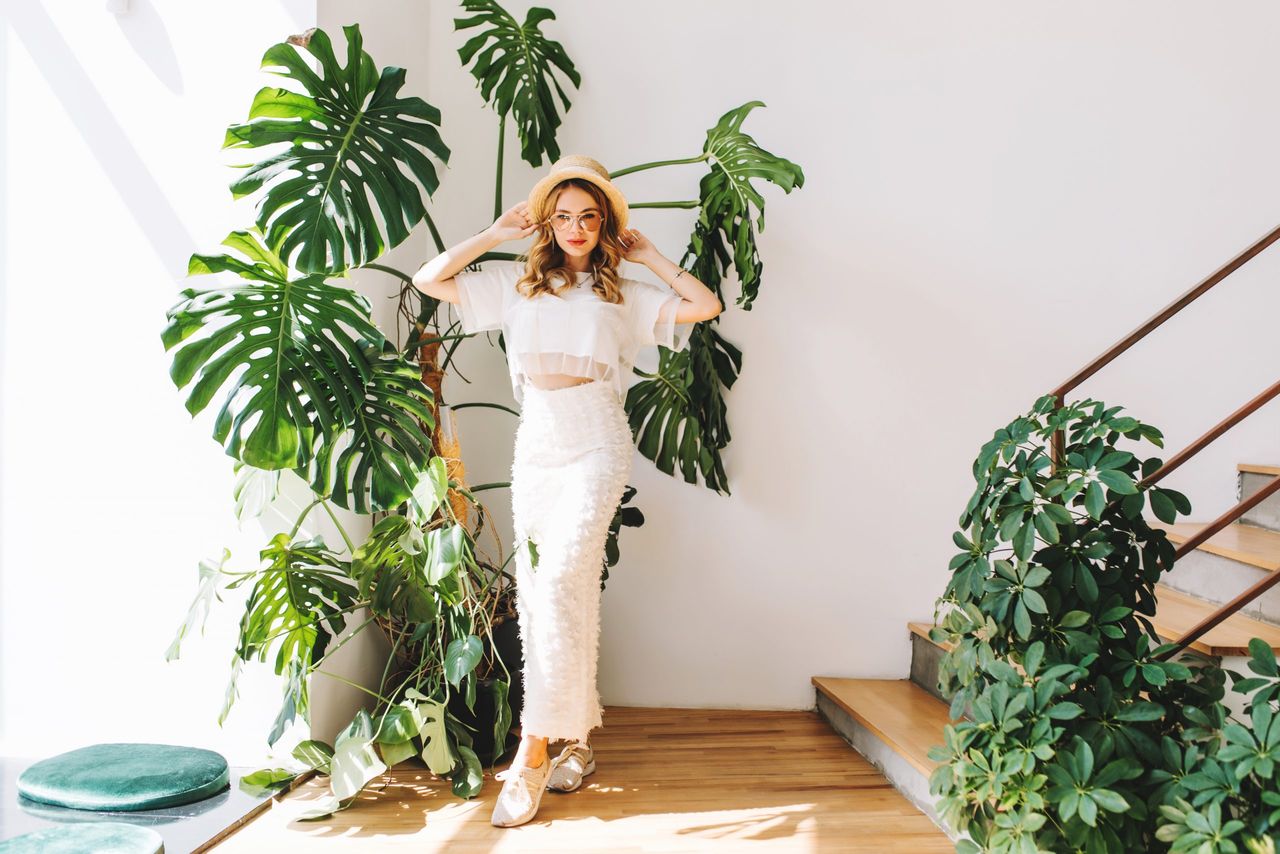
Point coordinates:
[(572, 328)]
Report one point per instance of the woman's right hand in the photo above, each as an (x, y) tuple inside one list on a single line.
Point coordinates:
[(514, 224)]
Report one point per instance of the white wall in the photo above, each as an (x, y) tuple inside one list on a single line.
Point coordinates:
[(995, 193), (111, 175)]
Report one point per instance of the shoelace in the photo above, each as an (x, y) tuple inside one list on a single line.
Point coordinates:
[(578, 749), (513, 770)]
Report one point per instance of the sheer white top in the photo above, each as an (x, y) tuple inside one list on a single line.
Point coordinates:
[(575, 333)]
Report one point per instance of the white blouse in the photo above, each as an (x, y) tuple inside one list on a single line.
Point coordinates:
[(576, 333)]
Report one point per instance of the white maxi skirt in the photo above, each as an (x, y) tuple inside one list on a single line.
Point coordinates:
[(572, 457)]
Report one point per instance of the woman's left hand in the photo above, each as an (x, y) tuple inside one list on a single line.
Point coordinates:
[(637, 245)]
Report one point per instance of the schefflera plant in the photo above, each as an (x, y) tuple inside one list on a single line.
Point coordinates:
[(1054, 658)]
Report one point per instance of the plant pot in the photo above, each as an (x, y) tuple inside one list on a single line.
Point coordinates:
[(506, 636)]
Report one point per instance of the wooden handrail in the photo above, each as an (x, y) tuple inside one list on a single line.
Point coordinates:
[(1058, 441), (1200, 444), (1164, 314)]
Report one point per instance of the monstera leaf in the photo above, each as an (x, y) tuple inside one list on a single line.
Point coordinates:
[(515, 73), (679, 415), (298, 603), (727, 196), (304, 371), (373, 461), (351, 138)]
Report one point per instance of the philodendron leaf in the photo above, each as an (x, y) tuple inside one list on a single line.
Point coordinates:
[(298, 602), (354, 164), (309, 382), (265, 780), (515, 73), (273, 343), (209, 571), (254, 489), (314, 754), (461, 658), (679, 415), (429, 491), (728, 196), (373, 461), (469, 776), (355, 762), (435, 743)]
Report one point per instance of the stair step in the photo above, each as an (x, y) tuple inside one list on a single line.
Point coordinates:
[(893, 723), (1247, 544), (1254, 468), (908, 719), (1176, 614)]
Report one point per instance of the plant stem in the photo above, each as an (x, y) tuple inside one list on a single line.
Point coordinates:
[(457, 406), (617, 173), (495, 485), (385, 269), (497, 184), (338, 646), (351, 549), (686, 204), (435, 232), (352, 684), (297, 526)]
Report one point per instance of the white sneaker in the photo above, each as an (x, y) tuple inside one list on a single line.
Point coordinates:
[(521, 793), (569, 767)]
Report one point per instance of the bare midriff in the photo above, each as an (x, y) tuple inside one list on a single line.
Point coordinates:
[(548, 382)]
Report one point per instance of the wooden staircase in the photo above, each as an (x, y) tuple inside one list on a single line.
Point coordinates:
[(894, 722)]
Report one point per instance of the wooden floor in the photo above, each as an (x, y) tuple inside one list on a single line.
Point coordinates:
[(667, 780)]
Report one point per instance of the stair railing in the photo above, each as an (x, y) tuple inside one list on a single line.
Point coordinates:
[(1157, 320)]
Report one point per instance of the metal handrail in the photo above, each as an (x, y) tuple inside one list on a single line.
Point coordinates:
[(1058, 447)]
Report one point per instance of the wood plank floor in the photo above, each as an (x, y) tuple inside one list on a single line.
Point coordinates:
[(723, 780)]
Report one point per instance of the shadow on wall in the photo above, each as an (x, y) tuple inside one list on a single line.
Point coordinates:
[(122, 164)]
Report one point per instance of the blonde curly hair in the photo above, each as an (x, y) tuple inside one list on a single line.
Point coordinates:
[(545, 261)]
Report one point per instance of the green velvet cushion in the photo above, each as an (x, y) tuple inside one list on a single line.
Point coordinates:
[(125, 777), (100, 837)]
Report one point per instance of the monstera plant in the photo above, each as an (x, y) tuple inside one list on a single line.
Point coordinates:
[(307, 385)]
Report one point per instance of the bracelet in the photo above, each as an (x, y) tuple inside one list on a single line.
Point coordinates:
[(678, 275)]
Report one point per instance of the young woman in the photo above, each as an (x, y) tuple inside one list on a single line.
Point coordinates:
[(572, 328)]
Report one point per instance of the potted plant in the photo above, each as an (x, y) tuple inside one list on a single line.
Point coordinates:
[(311, 387)]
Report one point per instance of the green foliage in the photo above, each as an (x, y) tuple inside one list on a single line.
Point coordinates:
[(305, 373), (515, 73), (349, 134), (299, 601), (727, 196), (1072, 732), (309, 384), (679, 415)]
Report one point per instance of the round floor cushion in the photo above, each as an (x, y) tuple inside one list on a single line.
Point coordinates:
[(100, 837), (125, 777)]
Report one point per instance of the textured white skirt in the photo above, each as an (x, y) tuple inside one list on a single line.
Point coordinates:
[(572, 457)]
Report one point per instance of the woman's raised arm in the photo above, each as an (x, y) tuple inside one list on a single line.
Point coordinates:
[(435, 278)]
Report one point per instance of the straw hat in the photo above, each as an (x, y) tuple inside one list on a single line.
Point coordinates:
[(578, 166)]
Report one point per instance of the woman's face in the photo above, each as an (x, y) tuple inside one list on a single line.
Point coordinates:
[(576, 238)]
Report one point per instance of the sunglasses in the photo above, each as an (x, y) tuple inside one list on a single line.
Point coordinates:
[(590, 221)]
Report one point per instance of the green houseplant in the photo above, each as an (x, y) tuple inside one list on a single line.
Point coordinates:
[(1080, 735), (310, 387)]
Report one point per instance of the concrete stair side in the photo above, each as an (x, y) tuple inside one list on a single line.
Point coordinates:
[(1251, 479)]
